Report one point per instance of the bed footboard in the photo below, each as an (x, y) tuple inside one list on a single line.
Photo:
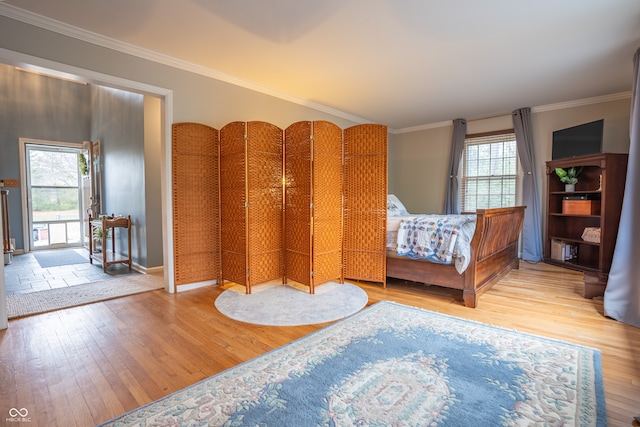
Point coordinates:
[(494, 252)]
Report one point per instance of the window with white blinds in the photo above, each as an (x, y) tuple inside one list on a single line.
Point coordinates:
[(488, 171)]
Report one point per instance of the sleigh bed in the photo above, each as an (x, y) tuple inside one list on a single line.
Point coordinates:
[(492, 252)]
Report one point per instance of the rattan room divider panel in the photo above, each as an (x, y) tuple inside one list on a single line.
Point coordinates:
[(251, 198), (195, 203), (313, 203), (365, 202), (233, 202)]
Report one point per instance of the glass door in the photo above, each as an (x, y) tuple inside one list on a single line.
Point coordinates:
[(91, 184), (54, 196)]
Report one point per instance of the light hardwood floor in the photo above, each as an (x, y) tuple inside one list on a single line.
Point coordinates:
[(86, 365)]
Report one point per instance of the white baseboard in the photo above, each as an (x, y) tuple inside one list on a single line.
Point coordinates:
[(158, 271), (191, 286)]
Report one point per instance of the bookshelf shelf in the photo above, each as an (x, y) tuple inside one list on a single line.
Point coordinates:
[(601, 181)]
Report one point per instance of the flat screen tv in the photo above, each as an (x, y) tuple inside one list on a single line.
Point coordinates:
[(578, 140)]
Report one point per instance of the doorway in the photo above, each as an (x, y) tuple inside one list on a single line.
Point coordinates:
[(53, 195), (164, 159)]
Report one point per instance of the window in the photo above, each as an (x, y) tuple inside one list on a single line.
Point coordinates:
[(489, 169)]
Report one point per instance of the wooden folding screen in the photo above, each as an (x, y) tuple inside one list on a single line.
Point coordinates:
[(313, 203), (251, 197), (195, 203), (228, 195), (365, 202)]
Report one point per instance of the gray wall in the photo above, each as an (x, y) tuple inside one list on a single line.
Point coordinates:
[(118, 123), (419, 170), (46, 108), (36, 107), (151, 233)]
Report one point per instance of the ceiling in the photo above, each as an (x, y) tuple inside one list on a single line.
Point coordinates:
[(402, 63)]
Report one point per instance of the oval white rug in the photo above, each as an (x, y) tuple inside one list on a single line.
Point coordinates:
[(284, 305)]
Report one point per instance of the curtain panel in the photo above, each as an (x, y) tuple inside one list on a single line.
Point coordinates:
[(451, 202), (532, 226), (622, 295)]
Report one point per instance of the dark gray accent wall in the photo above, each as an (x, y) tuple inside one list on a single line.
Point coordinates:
[(38, 107), (45, 108), (118, 122)]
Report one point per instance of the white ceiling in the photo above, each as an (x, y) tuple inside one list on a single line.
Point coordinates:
[(402, 63)]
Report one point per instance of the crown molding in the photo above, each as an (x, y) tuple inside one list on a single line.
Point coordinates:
[(582, 102), (43, 22), (49, 24), (540, 109), (55, 69), (424, 127)]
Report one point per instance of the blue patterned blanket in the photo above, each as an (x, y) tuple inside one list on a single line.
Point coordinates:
[(442, 239), (396, 365)]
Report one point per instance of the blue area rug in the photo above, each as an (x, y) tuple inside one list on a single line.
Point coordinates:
[(393, 364), (59, 257)]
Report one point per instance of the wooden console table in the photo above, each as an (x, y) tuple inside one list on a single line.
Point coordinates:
[(105, 224)]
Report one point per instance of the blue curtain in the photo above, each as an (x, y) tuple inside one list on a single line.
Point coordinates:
[(532, 226), (451, 205), (622, 295)]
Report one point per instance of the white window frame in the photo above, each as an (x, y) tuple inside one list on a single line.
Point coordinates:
[(499, 174)]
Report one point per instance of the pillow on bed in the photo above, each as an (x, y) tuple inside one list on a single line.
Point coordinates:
[(395, 206)]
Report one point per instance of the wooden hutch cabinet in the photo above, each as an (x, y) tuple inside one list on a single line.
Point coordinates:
[(574, 219)]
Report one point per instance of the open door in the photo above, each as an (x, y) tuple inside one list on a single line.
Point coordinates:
[(91, 185)]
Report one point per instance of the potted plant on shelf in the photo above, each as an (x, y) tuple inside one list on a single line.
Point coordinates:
[(97, 236), (569, 177)]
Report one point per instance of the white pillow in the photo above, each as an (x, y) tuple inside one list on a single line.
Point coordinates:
[(395, 206)]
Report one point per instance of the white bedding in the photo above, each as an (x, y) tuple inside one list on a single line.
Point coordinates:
[(443, 239)]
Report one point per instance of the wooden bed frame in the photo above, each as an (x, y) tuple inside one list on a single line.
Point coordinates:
[(494, 252)]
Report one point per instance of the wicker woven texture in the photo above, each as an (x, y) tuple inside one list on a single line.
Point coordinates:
[(265, 197), (232, 203), (195, 203), (313, 171), (298, 202), (251, 202), (365, 202), (327, 202), (242, 217)]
